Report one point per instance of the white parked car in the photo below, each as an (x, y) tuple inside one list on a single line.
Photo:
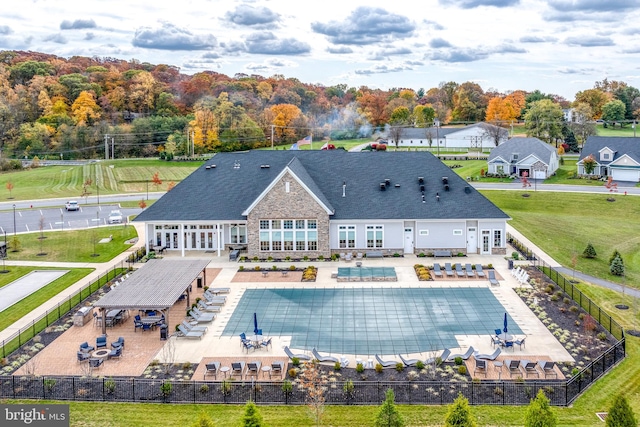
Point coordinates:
[(72, 205), (115, 217)]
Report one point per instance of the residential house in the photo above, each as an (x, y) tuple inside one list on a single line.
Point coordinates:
[(618, 157), (475, 137), (309, 203), (519, 155)]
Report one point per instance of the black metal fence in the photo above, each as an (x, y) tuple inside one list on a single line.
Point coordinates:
[(485, 392), (15, 341)]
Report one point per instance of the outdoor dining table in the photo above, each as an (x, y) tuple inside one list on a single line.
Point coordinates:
[(113, 316), (151, 320), (255, 339), (505, 336)]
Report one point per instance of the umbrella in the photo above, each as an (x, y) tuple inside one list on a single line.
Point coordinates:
[(255, 323), (505, 323)]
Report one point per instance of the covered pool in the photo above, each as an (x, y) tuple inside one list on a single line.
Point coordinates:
[(366, 274), (365, 321)]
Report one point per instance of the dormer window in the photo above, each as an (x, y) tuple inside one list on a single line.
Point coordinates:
[(514, 157), (606, 156)]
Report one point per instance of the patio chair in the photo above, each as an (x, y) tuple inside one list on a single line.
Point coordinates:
[(481, 367), (118, 343), (201, 317), (530, 368), (459, 271), (216, 297), (437, 271), (463, 356), (447, 269), (386, 363), (276, 369), (508, 344), (320, 358), (443, 357), (101, 341), (208, 308), (266, 343), (469, 270), (237, 368), (258, 331), (495, 341), (492, 278), (83, 357), (253, 368), (117, 352), (409, 362), (94, 362), (189, 334), (248, 345), (86, 348), (291, 355), (492, 356), (548, 368), (359, 255), (513, 366), (479, 271), (190, 327), (497, 331), (97, 320), (211, 369), (520, 342), (214, 300)]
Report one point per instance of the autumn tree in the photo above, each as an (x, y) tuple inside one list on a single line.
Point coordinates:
[(500, 111), (284, 117), (594, 98), (142, 204), (539, 413), (85, 110), (589, 164), (9, 186), (314, 385), (373, 106), (423, 115), (171, 185), (388, 415), (544, 120), (156, 180), (583, 125)]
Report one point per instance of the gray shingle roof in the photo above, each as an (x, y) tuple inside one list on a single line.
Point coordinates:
[(619, 144), (524, 147), (223, 192), (155, 286)]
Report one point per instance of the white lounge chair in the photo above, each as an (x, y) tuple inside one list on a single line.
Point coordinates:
[(463, 356), (189, 334), (320, 358), (291, 355)]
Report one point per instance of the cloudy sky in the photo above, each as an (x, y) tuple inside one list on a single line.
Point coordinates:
[(557, 46)]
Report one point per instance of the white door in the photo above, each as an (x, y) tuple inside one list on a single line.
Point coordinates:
[(486, 236), (472, 240), (539, 174), (408, 240)]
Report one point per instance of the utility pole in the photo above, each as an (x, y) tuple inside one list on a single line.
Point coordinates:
[(272, 127), (106, 147), (193, 144), (436, 123), (113, 149)]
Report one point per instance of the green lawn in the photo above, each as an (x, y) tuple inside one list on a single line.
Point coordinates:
[(17, 311), (563, 223), (113, 177), (616, 131), (75, 245)]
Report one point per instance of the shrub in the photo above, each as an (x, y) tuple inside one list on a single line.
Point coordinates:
[(617, 266), (589, 251), (292, 268), (555, 298), (614, 255), (620, 414), (399, 367), (252, 416), (420, 365), (110, 386), (388, 415), (293, 372), (295, 361), (379, 368), (458, 361), (462, 370), (274, 267), (539, 413), (602, 336), (348, 387), (241, 268), (287, 387), (574, 309), (257, 268), (459, 414), (566, 300), (337, 366), (514, 255), (359, 368), (166, 388)]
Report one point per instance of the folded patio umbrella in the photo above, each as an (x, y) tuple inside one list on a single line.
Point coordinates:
[(505, 323), (255, 323)]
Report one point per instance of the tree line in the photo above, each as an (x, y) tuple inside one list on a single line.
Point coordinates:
[(71, 108)]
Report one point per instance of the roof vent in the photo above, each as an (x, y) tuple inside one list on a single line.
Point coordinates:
[(397, 185), (264, 166), (421, 180), (344, 188), (467, 189), (446, 187), (422, 188), (423, 200), (445, 180), (236, 165), (207, 167), (213, 166), (437, 197), (387, 182), (382, 186)]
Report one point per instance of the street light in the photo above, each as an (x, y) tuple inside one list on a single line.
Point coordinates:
[(98, 191), (14, 220), (436, 123)]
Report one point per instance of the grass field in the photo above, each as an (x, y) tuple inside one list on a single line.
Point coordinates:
[(75, 245)]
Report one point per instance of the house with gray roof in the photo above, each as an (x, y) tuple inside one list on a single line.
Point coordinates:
[(518, 156), (617, 157), (309, 203), (475, 137)]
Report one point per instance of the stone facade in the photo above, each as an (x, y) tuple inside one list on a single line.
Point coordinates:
[(297, 203)]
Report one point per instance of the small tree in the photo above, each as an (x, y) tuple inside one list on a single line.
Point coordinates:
[(314, 385), (459, 414), (142, 204), (614, 255), (388, 416), (589, 164), (156, 180), (617, 266), (589, 251), (9, 186), (14, 244), (539, 412), (620, 414), (252, 416), (203, 421), (170, 185)]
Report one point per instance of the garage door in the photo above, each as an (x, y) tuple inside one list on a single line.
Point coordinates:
[(539, 174), (625, 175)]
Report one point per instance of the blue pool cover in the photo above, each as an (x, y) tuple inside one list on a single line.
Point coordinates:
[(365, 321)]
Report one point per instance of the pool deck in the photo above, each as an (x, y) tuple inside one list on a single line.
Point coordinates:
[(59, 358)]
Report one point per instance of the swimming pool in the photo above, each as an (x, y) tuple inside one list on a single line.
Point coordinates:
[(365, 321)]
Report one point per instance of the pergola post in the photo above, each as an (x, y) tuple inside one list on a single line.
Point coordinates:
[(103, 314)]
